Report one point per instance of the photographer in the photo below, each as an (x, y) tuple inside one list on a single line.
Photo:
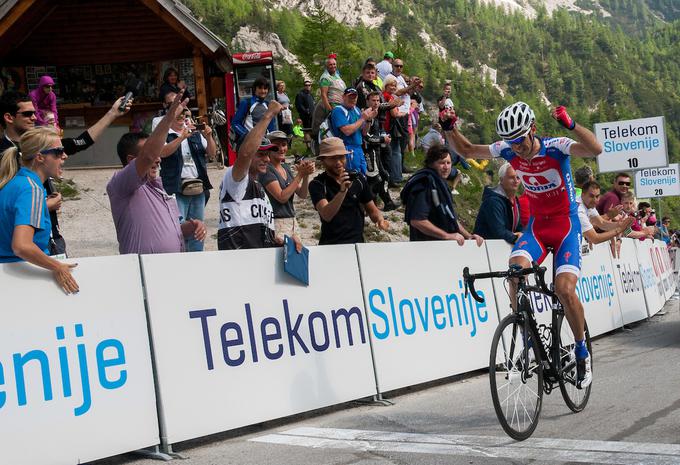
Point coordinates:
[(341, 196), (184, 169), (376, 142)]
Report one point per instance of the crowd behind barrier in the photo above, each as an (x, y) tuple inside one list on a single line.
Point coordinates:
[(375, 317)]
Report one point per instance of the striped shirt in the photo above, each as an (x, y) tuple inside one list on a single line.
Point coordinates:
[(23, 203)]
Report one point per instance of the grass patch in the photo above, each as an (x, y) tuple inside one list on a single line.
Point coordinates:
[(67, 188)]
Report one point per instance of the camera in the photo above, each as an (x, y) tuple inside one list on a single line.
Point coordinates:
[(200, 126), (299, 158), (353, 175)]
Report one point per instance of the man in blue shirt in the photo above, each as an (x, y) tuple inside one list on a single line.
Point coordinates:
[(347, 122)]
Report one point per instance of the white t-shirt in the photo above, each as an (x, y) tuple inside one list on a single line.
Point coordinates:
[(384, 69), (584, 215), (401, 84), (189, 170)]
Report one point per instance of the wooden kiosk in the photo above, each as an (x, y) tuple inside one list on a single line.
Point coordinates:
[(93, 47)]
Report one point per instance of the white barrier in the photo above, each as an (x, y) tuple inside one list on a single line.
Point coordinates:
[(652, 278), (665, 266), (76, 382), (237, 341), (630, 283), (422, 327)]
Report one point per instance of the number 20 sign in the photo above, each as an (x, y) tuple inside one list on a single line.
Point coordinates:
[(632, 145)]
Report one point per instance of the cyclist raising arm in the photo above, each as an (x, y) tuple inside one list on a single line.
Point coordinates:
[(543, 165)]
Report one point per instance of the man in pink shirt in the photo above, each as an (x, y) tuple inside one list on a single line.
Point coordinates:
[(147, 219)]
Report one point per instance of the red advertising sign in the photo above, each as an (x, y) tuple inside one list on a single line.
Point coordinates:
[(252, 58)]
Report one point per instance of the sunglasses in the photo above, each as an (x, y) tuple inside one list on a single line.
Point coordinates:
[(56, 151), (26, 114), (624, 183), (516, 141), (397, 66), (49, 85)]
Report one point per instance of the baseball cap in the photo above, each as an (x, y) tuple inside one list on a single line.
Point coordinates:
[(266, 145), (274, 135), (389, 55), (350, 90)]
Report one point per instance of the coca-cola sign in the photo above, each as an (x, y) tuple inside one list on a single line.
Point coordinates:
[(252, 57)]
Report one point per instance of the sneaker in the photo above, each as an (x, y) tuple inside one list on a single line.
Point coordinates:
[(584, 374), (455, 192)]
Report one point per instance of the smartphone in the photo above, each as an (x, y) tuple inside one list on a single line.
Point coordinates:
[(200, 126)]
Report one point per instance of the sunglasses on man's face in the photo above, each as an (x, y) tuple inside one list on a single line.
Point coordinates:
[(624, 183), (26, 114), (398, 66), (516, 141), (56, 151)]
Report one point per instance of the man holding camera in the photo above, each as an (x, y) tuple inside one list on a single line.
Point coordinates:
[(184, 168), (341, 196)]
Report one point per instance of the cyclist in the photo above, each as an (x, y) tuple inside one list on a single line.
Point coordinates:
[(543, 165)]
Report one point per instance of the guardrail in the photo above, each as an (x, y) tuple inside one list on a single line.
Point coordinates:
[(236, 341)]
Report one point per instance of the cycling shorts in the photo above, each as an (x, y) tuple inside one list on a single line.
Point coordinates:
[(562, 234)]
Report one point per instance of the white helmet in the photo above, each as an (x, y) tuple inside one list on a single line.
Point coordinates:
[(515, 121)]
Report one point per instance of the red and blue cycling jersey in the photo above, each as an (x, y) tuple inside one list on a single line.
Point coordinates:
[(554, 219)]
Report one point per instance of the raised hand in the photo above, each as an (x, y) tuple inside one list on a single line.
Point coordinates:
[(562, 117)]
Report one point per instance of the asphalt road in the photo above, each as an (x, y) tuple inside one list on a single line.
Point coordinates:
[(633, 417)]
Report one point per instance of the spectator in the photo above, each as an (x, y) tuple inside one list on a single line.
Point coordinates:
[(246, 214), (366, 84), (581, 176), (341, 197), (636, 230), (281, 185), (252, 109), (404, 91), (304, 104), (590, 194), (172, 83), (429, 204), (332, 88), (146, 218), (664, 231), (297, 129), (433, 137), (24, 222), (347, 122), (394, 125), (18, 116), (285, 117), (376, 140), (184, 169), (614, 198), (44, 99), (499, 216), (384, 68), (167, 101), (414, 120), (377, 80)]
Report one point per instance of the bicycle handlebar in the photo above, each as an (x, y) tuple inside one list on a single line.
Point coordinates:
[(514, 272)]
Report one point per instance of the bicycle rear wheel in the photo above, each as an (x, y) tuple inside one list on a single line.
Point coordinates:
[(516, 377), (576, 399)]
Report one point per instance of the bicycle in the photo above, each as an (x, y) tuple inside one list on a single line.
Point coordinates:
[(527, 359)]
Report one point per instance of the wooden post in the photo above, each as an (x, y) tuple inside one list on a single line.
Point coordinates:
[(199, 80)]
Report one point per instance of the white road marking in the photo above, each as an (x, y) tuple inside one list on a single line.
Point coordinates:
[(551, 450)]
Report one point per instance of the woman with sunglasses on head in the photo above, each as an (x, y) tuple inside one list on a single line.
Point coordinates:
[(44, 100), (543, 165), (24, 219)]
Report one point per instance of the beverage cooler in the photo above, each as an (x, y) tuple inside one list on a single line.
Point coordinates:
[(246, 68)]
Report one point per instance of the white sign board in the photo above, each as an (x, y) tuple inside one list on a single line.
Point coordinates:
[(629, 283), (658, 182), (76, 382), (652, 277), (632, 144), (422, 327), (237, 341)]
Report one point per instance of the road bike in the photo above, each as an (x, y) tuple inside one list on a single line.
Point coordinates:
[(528, 359)]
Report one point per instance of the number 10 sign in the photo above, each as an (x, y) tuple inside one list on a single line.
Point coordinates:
[(632, 145)]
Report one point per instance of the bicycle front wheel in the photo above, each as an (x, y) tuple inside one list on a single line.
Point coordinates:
[(516, 377), (576, 399)]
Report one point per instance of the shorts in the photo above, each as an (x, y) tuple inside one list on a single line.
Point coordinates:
[(562, 234)]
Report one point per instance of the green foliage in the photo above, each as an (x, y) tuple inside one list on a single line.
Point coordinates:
[(603, 68)]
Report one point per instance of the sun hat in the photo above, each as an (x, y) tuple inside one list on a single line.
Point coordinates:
[(331, 147)]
